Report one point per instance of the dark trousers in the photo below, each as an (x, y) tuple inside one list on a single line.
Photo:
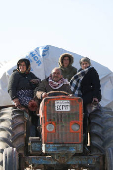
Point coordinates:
[(87, 98)]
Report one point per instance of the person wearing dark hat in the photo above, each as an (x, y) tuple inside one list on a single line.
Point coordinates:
[(21, 86), (65, 64)]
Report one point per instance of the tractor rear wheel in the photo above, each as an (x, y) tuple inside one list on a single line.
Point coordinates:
[(101, 129), (108, 132), (109, 159), (12, 131), (95, 130)]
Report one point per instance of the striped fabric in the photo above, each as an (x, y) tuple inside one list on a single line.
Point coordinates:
[(75, 82)]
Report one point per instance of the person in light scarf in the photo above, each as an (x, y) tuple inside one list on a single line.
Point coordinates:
[(86, 83), (55, 82)]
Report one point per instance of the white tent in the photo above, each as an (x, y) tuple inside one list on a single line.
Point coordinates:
[(43, 59)]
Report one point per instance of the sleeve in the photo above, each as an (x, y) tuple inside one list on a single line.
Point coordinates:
[(12, 85), (40, 89), (96, 84), (68, 89), (75, 71), (35, 77)]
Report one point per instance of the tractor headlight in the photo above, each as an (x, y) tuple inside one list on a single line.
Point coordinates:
[(75, 127), (50, 127)]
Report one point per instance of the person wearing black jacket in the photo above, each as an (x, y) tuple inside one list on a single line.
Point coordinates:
[(21, 85), (86, 83)]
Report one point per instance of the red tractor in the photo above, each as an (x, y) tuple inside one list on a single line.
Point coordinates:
[(58, 142)]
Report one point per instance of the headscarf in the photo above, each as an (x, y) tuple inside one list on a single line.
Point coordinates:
[(75, 82), (27, 63)]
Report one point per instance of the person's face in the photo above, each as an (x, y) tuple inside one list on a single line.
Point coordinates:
[(22, 67), (56, 75), (66, 61), (84, 65)]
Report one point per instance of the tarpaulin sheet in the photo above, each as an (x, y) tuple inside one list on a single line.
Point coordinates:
[(43, 59)]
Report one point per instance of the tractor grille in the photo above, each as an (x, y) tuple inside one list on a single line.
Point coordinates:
[(61, 121)]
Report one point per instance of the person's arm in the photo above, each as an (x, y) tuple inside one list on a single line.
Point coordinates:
[(16, 102), (43, 95), (35, 79), (96, 85), (12, 85), (40, 91), (67, 88), (12, 88), (95, 100), (74, 71)]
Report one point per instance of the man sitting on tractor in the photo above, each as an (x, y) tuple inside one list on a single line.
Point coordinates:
[(55, 82)]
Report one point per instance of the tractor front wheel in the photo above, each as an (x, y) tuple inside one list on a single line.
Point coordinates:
[(109, 159), (10, 159)]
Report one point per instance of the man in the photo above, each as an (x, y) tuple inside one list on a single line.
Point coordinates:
[(55, 82)]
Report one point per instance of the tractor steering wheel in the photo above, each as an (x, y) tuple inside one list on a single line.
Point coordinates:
[(57, 93)]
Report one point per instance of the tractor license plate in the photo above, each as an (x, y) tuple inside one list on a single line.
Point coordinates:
[(62, 105)]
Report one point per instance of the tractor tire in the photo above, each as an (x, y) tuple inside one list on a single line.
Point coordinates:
[(108, 120), (108, 132), (101, 130), (10, 159), (109, 159), (12, 131), (106, 110), (95, 131)]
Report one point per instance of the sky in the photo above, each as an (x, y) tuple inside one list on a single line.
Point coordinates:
[(84, 27)]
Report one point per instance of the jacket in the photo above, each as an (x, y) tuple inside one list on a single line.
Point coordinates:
[(20, 81), (69, 71), (45, 87), (91, 83)]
